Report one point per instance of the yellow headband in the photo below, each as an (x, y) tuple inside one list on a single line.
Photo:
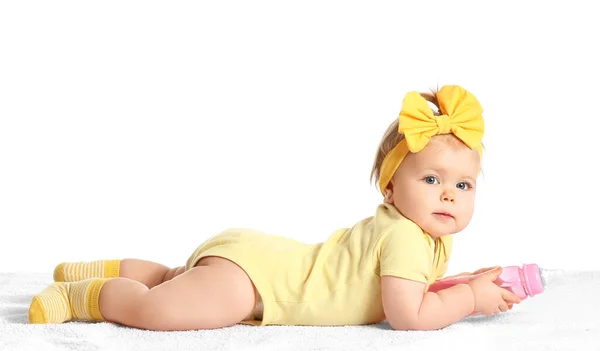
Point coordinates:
[(461, 116)]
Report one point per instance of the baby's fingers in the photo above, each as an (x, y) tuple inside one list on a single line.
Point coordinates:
[(503, 307), (509, 297)]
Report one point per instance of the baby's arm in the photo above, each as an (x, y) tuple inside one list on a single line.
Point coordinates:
[(408, 307)]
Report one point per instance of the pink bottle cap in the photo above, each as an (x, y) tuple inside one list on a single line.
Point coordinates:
[(533, 279)]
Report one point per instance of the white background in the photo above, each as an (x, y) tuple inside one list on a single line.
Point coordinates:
[(139, 129)]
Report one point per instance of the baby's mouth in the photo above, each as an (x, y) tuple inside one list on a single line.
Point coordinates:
[(443, 215)]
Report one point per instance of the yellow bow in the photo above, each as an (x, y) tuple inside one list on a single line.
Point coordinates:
[(461, 116)]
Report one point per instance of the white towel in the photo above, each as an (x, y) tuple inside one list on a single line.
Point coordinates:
[(565, 317)]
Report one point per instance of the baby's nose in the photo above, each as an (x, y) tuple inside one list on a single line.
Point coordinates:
[(448, 197)]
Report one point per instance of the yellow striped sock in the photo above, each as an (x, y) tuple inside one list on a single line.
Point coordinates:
[(75, 271), (62, 302)]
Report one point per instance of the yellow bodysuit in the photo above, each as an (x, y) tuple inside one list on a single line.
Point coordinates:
[(336, 282)]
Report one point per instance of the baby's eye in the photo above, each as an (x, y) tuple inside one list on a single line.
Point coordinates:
[(431, 180), (463, 186)]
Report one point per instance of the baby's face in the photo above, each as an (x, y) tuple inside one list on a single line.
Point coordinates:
[(435, 188)]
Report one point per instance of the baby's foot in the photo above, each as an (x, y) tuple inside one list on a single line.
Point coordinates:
[(76, 271), (62, 302)]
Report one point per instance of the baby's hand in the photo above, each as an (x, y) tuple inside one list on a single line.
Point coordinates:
[(489, 297)]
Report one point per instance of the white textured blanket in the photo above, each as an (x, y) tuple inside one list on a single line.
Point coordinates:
[(565, 317)]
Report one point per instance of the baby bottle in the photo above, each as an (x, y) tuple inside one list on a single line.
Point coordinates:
[(525, 281)]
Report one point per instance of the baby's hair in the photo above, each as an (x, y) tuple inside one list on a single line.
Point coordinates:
[(392, 137)]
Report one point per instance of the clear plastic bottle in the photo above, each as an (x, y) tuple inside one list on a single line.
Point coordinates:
[(526, 281)]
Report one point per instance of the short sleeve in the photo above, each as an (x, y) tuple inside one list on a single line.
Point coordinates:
[(406, 252)]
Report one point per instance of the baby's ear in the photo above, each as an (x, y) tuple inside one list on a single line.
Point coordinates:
[(388, 196)]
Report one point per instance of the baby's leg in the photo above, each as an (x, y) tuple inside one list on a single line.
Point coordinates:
[(214, 294), (146, 272)]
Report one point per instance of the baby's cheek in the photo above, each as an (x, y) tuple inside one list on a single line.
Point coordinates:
[(467, 215)]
